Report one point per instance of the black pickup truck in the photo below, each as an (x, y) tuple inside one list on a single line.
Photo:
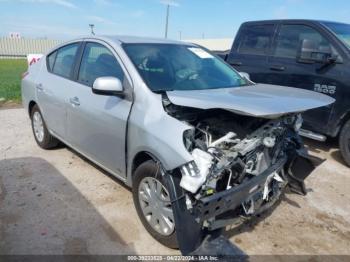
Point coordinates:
[(306, 54)]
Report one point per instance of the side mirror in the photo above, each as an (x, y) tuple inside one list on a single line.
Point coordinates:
[(245, 75), (310, 52), (108, 85)]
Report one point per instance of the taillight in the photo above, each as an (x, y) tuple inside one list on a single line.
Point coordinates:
[(25, 74)]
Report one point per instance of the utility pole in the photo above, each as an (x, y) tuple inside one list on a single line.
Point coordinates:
[(167, 20), (168, 3), (180, 35), (92, 28)]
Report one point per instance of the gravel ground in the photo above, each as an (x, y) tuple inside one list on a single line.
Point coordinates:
[(55, 202)]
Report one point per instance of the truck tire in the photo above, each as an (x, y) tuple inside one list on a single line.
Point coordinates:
[(344, 142), (152, 203), (41, 134)]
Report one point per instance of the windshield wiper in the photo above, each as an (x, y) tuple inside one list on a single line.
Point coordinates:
[(162, 91)]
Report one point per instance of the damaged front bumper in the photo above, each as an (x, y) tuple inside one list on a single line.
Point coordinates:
[(298, 169), (214, 205), (189, 223)]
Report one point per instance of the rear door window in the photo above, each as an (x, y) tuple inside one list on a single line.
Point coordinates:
[(255, 39), (64, 61), (290, 38), (98, 61)]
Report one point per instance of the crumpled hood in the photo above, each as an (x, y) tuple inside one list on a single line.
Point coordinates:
[(259, 100)]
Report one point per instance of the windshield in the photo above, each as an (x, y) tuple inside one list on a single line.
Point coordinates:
[(342, 31), (167, 67)]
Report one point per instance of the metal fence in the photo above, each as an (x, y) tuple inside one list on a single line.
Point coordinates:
[(19, 48)]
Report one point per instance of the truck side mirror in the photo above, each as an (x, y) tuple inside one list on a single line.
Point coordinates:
[(245, 75), (310, 52)]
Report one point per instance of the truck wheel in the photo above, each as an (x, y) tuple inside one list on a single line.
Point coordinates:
[(344, 142), (152, 203), (42, 136)]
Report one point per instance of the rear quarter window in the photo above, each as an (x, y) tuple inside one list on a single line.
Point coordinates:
[(51, 61)]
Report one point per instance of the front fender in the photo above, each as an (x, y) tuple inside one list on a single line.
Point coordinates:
[(160, 135)]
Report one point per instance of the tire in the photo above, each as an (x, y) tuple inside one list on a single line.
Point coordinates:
[(143, 177), (344, 142), (45, 140)]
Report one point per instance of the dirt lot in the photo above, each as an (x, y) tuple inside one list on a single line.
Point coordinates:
[(55, 202)]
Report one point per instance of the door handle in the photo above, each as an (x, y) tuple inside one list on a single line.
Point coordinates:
[(277, 68), (39, 87), (237, 63), (74, 101)]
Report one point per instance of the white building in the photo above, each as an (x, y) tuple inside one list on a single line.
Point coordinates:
[(220, 44)]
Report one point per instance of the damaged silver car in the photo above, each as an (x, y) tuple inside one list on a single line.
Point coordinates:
[(200, 144)]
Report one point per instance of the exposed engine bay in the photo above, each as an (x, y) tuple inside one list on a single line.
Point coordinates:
[(230, 150)]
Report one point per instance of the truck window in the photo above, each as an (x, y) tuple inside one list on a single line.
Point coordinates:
[(342, 31), (290, 38), (255, 40)]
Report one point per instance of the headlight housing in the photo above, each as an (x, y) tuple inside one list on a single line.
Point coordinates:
[(298, 122)]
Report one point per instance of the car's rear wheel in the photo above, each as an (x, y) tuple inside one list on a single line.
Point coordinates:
[(344, 142), (152, 203), (41, 134)]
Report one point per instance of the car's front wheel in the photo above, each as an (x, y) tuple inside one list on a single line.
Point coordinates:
[(344, 142), (41, 134), (152, 203)]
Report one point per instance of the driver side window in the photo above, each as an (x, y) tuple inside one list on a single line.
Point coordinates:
[(290, 39), (98, 61)]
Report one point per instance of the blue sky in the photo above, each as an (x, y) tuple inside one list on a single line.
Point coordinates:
[(63, 19)]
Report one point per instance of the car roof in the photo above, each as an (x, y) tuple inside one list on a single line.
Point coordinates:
[(120, 39)]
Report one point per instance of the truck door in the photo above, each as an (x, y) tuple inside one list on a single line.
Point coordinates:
[(251, 48), (287, 69)]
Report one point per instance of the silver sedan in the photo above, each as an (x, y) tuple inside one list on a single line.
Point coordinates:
[(199, 143)]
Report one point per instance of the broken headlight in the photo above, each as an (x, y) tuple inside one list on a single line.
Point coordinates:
[(298, 122)]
